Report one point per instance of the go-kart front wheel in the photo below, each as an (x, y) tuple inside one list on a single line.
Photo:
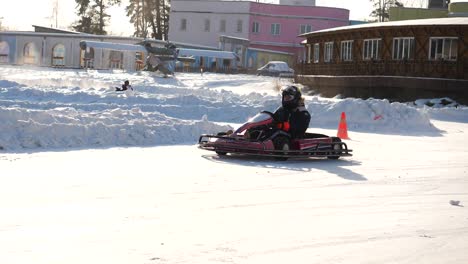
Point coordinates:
[(281, 143)]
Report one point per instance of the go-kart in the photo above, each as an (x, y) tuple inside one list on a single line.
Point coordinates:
[(260, 136)]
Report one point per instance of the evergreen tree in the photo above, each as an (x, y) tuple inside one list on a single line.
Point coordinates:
[(93, 16), (382, 7), (135, 12), (150, 15)]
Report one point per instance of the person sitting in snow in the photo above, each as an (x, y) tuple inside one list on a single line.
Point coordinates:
[(126, 86), (292, 116)]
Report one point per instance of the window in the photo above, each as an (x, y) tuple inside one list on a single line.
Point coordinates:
[(4, 51), (328, 54), (304, 29), (316, 52), (371, 49), (87, 58), (58, 55), (443, 49), (207, 25), (139, 62), (29, 53), (275, 29), (239, 26), (403, 48), (255, 27), (309, 51), (222, 25), (183, 24), (347, 50), (115, 59)]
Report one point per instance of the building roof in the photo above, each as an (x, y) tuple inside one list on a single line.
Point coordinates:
[(414, 22), (52, 30), (110, 45), (219, 54), (68, 35)]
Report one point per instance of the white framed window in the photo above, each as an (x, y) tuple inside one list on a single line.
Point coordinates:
[(255, 27), (183, 24), (347, 50), (305, 28), (275, 29), (309, 51), (371, 49), (222, 25), (207, 25), (239, 26), (328, 52), (443, 48), (316, 53), (403, 48)]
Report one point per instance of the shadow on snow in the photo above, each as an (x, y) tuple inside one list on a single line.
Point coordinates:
[(337, 167)]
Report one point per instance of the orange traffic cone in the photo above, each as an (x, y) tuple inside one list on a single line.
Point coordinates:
[(342, 127)]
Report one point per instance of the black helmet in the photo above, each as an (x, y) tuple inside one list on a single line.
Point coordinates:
[(291, 96), (127, 82)]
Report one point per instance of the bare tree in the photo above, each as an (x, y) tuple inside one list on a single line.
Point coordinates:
[(381, 8)]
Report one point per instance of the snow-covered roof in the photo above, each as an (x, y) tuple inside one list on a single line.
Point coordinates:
[(45, 29), (208, 53), (236, 38), (68, 35), (271, 51), (414, 22), (111, 46)]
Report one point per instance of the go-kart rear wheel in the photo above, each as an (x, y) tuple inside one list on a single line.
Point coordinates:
[(336, 148), (221, 153), (281, 143)]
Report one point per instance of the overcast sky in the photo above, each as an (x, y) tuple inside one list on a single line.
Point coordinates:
[(21, 14)]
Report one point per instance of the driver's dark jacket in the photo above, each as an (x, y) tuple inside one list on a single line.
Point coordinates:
[(298, 119)]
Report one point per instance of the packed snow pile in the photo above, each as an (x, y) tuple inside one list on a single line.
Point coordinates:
[(69, 127), (372, 115), (51, 108), (444, 109)]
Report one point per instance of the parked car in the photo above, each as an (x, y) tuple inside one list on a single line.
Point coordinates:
[(275, 68)]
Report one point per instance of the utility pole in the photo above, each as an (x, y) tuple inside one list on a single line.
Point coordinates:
[(380, 11), (143, 17), (56, 13)]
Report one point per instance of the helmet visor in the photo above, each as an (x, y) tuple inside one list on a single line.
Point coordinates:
[(288, 97)]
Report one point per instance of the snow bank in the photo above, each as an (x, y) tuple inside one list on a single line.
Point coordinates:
[(444, 109), (67, 127), (372, 115), (47, 108)]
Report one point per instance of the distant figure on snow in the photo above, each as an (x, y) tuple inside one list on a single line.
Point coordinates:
[(126, 86)]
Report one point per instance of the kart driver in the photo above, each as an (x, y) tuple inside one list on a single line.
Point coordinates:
[(292, 116), (126, 86)]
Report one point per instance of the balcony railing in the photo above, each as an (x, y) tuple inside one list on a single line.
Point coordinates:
[(432, 69)]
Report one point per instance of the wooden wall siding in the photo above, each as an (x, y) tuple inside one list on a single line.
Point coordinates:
[(418, 66), (463, 43)]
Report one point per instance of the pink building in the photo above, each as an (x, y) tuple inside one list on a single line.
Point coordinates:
[(251, 25), (276, 27)]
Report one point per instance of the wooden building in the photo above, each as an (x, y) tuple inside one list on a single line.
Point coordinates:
[(401, 60)]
